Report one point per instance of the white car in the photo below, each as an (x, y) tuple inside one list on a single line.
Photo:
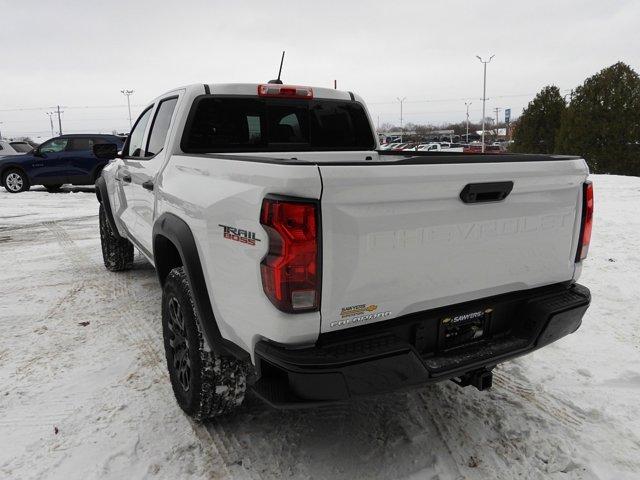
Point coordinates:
[(439, 147), (14, 148), (298, 261), (389, 146)]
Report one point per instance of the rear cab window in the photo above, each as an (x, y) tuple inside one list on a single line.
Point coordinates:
[(252, 124)]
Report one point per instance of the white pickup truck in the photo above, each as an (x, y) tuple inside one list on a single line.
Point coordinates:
[(299, 261)]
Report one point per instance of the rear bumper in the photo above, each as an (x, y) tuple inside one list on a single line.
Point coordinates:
[(402, 353)]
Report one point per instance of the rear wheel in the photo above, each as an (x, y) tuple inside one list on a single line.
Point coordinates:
[(117, 253), (53, 188), (205, 384), (15, 181)]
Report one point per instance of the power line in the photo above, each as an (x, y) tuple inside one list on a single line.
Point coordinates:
[(73, 107), (458, 99)]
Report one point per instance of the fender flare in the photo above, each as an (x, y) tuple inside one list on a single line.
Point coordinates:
[(103, 198), (178, 232)]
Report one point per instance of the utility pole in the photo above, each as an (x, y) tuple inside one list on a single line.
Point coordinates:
[(58, 111), (484, 92), (468, 105), (128, 93), (497, 120), (401, 100), (51, 114)]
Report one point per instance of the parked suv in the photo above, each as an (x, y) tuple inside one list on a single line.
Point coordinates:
[(63, 159), (298, 260)]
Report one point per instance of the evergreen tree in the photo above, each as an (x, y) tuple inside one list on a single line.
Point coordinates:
[(602, 122), (539, 123)]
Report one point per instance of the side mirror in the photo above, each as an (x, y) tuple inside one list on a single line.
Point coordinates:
[(37, 153), (105, 151)]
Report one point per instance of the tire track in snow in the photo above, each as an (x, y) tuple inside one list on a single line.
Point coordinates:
[(116, 287), (387, 436), (24, 226), (545, 402), (56, 407), (483, 434)]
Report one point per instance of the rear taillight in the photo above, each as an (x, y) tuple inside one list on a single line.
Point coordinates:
[(284, 91), (587, 221), (291, 268)]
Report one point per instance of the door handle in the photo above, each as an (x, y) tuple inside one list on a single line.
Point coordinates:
[(486, 192), (148, 185), (125, 177)]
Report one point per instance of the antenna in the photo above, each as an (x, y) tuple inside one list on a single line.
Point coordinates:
[(277, 80)]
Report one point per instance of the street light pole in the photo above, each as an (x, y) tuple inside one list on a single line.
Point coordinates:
[(484, 92), (401, 100), (128, 93), (468, 105)]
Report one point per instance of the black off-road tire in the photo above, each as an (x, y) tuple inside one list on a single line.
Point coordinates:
[(15, 181), (117, 253), (53, 188), (205, 384)]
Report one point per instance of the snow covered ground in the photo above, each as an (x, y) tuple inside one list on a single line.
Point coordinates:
[(84, 392)]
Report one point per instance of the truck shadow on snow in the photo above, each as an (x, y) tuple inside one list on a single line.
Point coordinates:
[(438, 431)]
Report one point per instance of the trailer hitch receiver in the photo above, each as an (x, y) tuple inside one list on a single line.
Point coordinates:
[(482, 379)]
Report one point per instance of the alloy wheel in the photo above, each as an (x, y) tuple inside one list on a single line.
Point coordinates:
[(179, 344), (14, 182)]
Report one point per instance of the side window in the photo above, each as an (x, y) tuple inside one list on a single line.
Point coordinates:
[(133, 147), (54, 145), (160, 126), (81, 144)]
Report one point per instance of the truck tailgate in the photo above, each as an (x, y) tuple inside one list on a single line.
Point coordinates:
[(398, 239)]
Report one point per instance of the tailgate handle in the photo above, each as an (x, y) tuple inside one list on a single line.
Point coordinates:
[(486, 192)]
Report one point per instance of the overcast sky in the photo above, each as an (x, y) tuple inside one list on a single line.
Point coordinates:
[(82, 53)]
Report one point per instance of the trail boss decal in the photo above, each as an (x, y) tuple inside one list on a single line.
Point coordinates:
[(358, 314), (239, 235)]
